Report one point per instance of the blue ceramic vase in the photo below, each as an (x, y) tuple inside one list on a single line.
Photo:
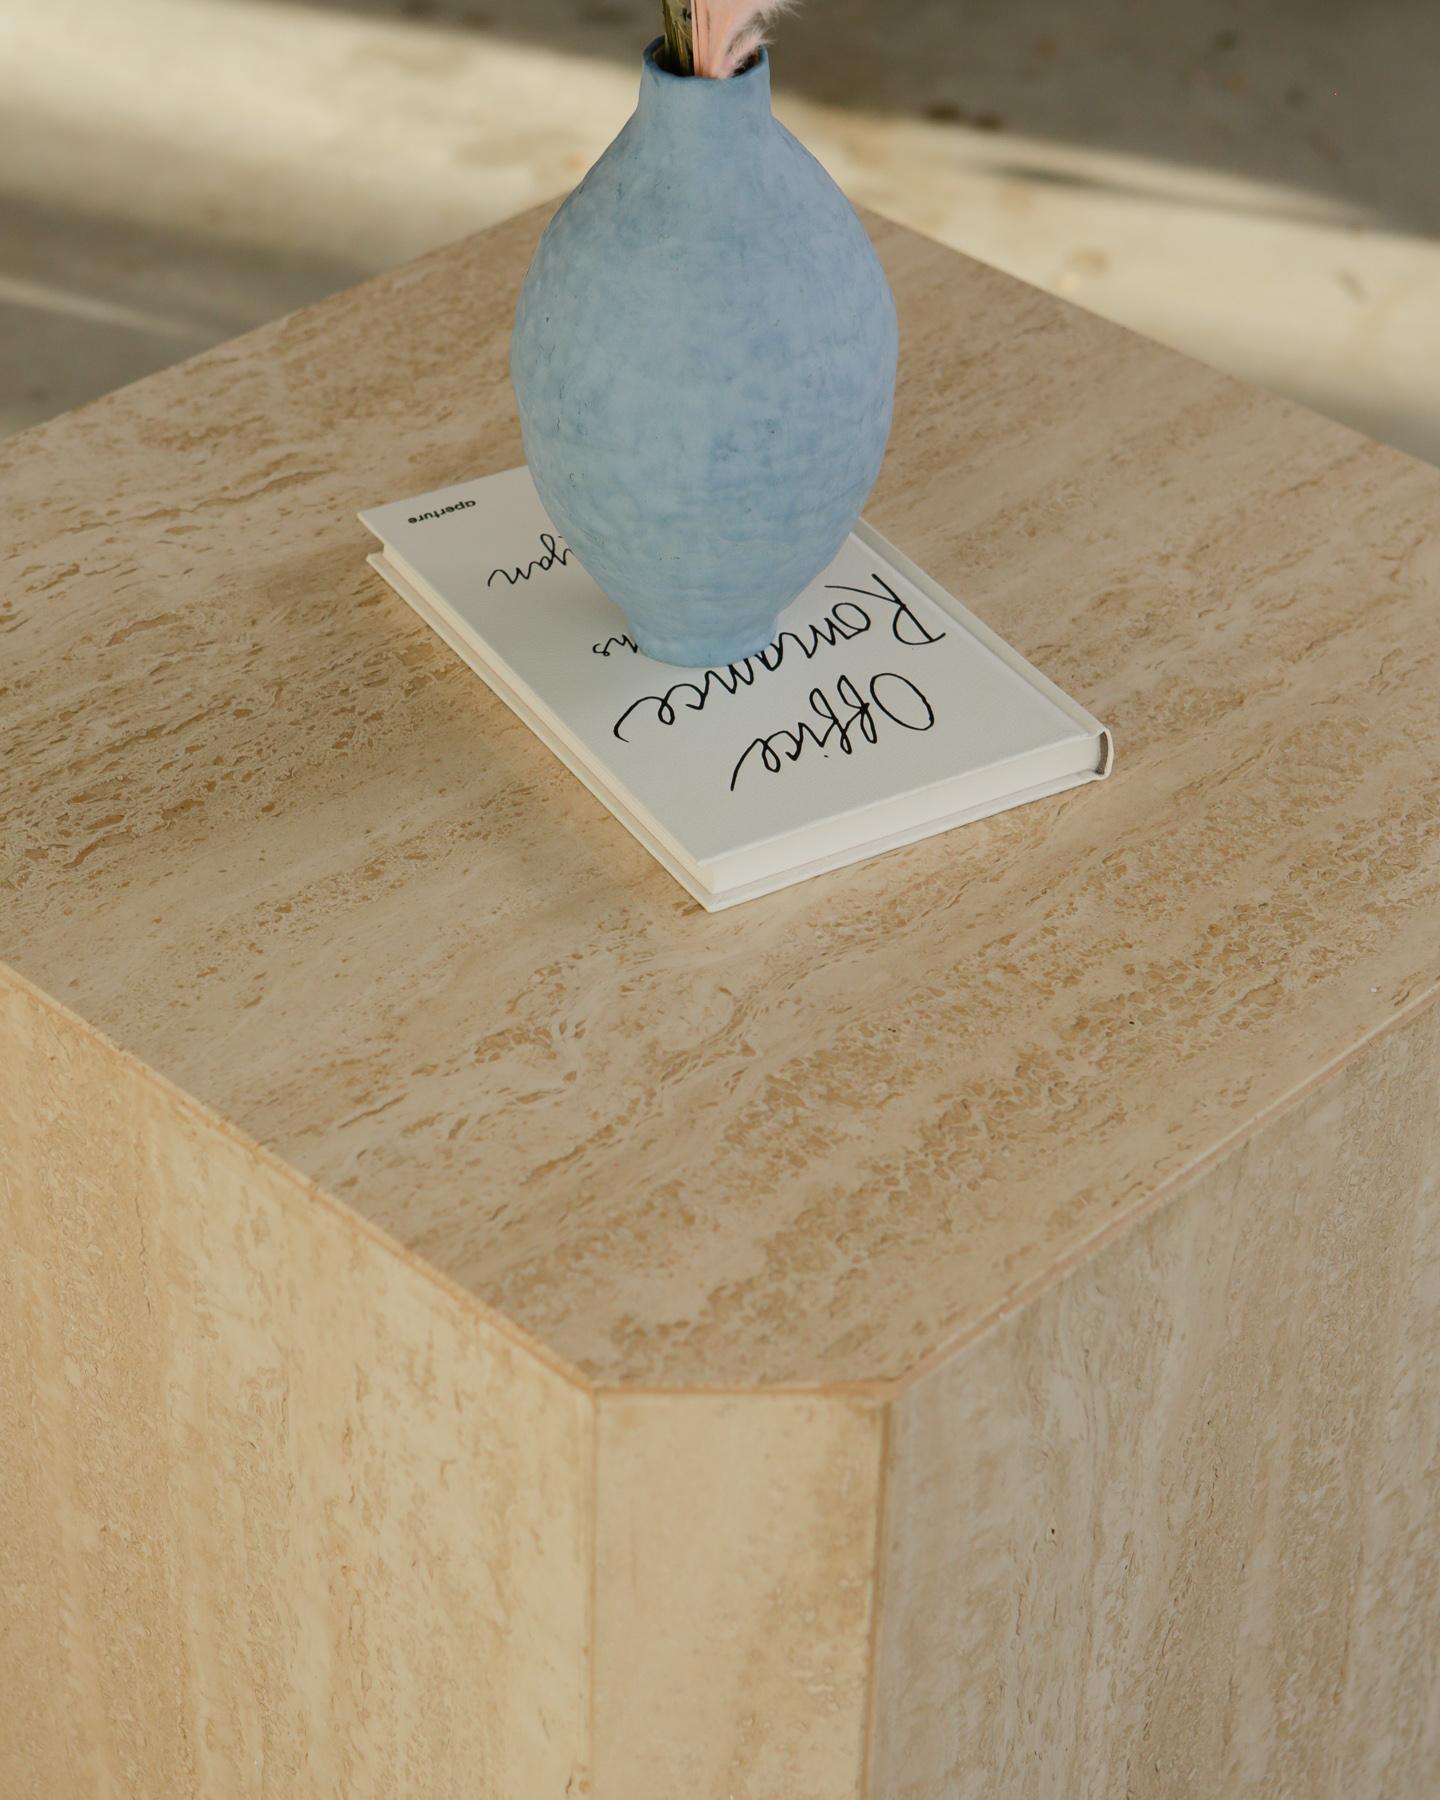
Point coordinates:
[(704, 360)]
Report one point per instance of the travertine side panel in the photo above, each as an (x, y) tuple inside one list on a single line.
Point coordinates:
[(1174, 1529), (735, 1554), (279, 1514)]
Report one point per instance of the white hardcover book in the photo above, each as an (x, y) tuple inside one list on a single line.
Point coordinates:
[(881, 712)]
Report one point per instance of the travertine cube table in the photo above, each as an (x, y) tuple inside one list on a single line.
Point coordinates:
[(476, 1325)]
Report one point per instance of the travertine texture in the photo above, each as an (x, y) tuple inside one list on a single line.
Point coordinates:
[(534, 1338), (1172, 1530), (282, 1515), (279, 1514), (267, 833), (735, 1546)]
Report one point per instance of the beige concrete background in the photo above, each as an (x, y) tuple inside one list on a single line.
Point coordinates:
[(1253, 184)]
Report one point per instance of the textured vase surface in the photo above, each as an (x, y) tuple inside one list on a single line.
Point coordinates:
[(704, 361)]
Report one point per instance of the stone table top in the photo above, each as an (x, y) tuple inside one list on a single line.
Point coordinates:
[(270, 837)]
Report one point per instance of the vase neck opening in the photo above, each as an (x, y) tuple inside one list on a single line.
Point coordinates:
[(689, 102)]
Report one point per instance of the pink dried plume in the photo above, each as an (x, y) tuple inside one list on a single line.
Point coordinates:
[(718, 38)]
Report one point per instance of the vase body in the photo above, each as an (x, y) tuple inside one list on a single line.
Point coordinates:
[(704, 361)]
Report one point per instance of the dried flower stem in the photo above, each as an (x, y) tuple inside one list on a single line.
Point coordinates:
[(678, 55), (716, 38)]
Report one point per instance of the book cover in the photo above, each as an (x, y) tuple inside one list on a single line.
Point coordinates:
[(882, 711)]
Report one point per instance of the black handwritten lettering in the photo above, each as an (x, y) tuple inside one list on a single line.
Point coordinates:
[(902, 620), (551, 556), (851, 719), (615, 643), (844, 621)]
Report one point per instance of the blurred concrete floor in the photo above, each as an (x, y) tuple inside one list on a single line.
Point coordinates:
[(1254, 183)]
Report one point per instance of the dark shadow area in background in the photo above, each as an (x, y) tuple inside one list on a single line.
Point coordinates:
[(168, 294), (1339, 98)]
